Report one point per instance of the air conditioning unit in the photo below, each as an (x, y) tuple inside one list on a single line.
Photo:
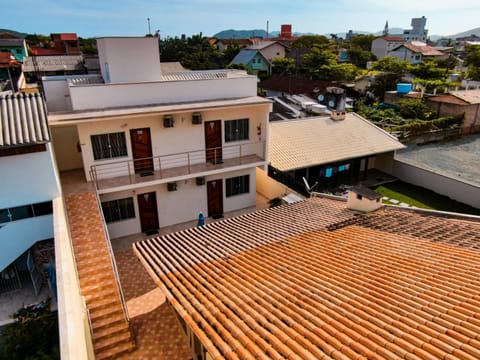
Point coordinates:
[(200, 180), (172, 186), (168, 121), (196, 118)]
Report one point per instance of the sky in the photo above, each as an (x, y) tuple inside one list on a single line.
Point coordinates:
[(173, 18)]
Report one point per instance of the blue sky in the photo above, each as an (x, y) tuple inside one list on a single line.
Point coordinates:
[(175, 17)]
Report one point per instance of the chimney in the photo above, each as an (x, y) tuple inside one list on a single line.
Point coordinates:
[(361, 198), (338, 98), (286, 31)]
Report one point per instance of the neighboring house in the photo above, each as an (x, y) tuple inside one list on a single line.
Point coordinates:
[(223, 44), (383, 45), (416, 52), (271, 50), (459, 102), (159, 148), (29, 184), (18, 47), (10, 71), (278, 85), (330, 152), (34, 67), (253, 60), (62, 44), (324, 278)]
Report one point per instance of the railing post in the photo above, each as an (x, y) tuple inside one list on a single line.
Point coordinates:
[(129, 173), (188, 162), (240, 151)]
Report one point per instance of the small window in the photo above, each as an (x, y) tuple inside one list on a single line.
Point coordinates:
[(238, 185), (236, 130), (21, 212), (117, 210), (108, 146), (359, 197)]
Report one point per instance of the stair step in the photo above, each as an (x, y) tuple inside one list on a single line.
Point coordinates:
[(99, 313), (110, 320), (110, 331), (92, 261), (94, 270), (104, 293), (103, 303), (112, 341), (114, 353), (103, 276), (81, 254), (91, 285)]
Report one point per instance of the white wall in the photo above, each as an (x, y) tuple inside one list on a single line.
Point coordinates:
[(455, 189), (183, 137), (115, 95), (27, 179), (182, 205), (57, 94), (129, 59), (65, 141), (18, 236)]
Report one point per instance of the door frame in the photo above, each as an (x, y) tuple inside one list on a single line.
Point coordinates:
[(139, 165), (214, 196), (213, 154), (142, 211)]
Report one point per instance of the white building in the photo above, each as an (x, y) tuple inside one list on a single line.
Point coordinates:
[(159, 148), (381, 46), (28, 186)]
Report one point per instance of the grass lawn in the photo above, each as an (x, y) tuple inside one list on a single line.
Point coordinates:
[(423, 198)]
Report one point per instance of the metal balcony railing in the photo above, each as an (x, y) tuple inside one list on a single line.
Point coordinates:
[(119, 173)]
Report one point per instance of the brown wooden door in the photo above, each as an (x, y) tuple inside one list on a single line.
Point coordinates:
[(141, 150), (213, 141), (215, 197), (147, 205)]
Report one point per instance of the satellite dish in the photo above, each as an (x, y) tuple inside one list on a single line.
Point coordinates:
[(331, 103), (321, 98), (308, 187)]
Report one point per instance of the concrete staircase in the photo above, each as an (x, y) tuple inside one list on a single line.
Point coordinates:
[(110, 327)]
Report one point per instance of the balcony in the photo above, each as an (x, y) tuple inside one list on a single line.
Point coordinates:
[(114, 176)]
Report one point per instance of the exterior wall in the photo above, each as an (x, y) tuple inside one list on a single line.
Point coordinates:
[(129, 59), (65, 141), (18, 51), (183, 137), (27, 179), (379, 48), (273, 51), (57, 94), (453, 188), (270, 188), (182, 205), (258, 63), (404, 54), (471, 121), (18, 236), (383, 162), (116, 95)]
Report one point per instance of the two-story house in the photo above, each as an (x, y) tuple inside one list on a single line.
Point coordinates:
[(158, 148), (28, 186)]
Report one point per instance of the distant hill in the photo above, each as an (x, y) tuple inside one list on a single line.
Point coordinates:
[(13, 32), (475, 31), (240, 34)]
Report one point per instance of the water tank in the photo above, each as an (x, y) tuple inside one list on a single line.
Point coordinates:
[(404, 88)]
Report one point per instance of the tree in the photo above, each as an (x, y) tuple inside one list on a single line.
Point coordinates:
[(415, 109), (358, 56), (391, 65), (472, 60), (309, 41), (449, 63), (283, 66), (363, 42), (428, 69), (392, 72)]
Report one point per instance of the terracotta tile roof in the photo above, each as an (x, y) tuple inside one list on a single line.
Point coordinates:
[(393, 38), (469, 96), (425, 50), (278, 284), (23, 120), (450, 99), (314, 141), (7, 60)]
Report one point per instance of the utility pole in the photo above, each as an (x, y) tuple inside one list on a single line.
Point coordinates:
[(267, 29), (149, 32)]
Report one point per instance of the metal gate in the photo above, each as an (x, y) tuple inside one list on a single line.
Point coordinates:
[(35, 275)]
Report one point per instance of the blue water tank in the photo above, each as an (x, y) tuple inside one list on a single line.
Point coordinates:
[(404, 88)]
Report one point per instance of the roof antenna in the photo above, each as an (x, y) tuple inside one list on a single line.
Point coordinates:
[(308, 187)]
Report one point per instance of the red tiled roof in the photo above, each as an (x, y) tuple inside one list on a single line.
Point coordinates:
[(424, 50), (66, 36), (314, 281), (7, 59), (393, 38), (450, 99)]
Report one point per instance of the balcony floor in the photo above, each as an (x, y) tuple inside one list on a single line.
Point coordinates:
[(175, 172)]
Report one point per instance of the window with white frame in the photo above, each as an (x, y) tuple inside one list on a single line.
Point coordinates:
[(237, 185), (117, 210), (109, 146), (236, 130)]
